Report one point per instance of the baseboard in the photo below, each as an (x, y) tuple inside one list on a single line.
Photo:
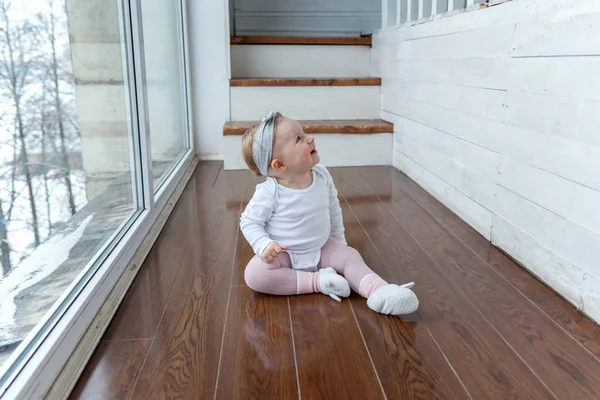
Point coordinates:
[(79, 358), (577, 286), (211, 157)]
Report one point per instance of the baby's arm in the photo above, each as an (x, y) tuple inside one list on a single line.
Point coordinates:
[(255, 216), (335, 212)]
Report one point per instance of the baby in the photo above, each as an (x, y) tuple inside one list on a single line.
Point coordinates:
[(294, 224)]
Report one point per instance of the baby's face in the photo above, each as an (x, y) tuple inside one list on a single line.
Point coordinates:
[(296, 149)]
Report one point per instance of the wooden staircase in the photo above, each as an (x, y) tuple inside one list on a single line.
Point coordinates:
[(325, 83)]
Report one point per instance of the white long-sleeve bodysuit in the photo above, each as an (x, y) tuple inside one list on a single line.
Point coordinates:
[(301, 219)]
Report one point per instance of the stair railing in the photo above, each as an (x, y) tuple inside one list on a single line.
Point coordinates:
[(398, 12)]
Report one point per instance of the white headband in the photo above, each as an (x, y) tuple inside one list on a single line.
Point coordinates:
[(262, 146)]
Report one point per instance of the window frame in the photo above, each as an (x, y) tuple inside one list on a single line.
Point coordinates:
[(42, 360)]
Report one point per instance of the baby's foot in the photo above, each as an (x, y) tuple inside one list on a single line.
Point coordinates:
[(332, 284), (394, 300)]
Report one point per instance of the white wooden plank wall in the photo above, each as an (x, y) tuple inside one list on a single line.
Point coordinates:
[(497, 114)]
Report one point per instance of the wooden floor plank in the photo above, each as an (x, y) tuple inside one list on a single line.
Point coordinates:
[(184, 357), (567, 317), (485, 327), (258, 355), (140, 311), (244, 252), (554, 356), (333, 362), (469, 342), (564, 314), (112, 371), (406, 371)]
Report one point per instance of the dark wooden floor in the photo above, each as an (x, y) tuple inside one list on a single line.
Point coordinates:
[(486, 329)]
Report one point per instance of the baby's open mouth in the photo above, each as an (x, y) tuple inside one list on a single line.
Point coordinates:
[(314, 151)]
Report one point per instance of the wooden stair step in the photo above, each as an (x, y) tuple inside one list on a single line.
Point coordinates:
[(354, 126), (305, 82), (302, 40)]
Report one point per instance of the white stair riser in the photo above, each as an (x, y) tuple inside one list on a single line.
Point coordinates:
[(249, 103), (335, 150), (275, 61)]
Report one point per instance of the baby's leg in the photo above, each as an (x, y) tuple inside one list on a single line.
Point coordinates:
[(383, 297), (348, 262), (279, 278)]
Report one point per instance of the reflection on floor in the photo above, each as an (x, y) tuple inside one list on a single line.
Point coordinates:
[(486, 329)]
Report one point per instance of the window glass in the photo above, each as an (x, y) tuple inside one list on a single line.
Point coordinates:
[(65, 151)]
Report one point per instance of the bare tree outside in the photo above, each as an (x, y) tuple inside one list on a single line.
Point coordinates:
[(4, 245), (41, 177), (59, 74), (16, 74), (62, 97)]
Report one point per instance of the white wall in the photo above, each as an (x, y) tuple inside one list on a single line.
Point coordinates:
[(307, 17), (497, 114), (209, 63)]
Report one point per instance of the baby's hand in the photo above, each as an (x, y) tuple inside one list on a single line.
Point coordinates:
[(272, 251)]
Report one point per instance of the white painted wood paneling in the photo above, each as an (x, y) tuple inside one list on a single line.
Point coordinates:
[(476, 158), (566, 35), (575, 202), (576, 285), (487, 73), (336, 150), (560, 76), (553, 231), (306, 102), (570, 117), (480, 102), (470, 211), (476, 186), (579, 162), (494, 42), (511, 12), (519, 80), (273, 61)]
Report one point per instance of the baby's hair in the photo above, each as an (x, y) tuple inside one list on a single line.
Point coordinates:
[(247, 142)]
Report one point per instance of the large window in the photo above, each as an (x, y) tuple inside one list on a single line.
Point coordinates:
[(162, 27), (93, 111)]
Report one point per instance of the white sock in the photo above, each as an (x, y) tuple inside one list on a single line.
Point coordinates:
[(332, 283), (393, 300)]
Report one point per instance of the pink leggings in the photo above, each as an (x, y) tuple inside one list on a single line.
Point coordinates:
[(279, 278)]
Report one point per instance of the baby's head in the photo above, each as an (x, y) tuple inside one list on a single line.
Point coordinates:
[(279, 147)]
